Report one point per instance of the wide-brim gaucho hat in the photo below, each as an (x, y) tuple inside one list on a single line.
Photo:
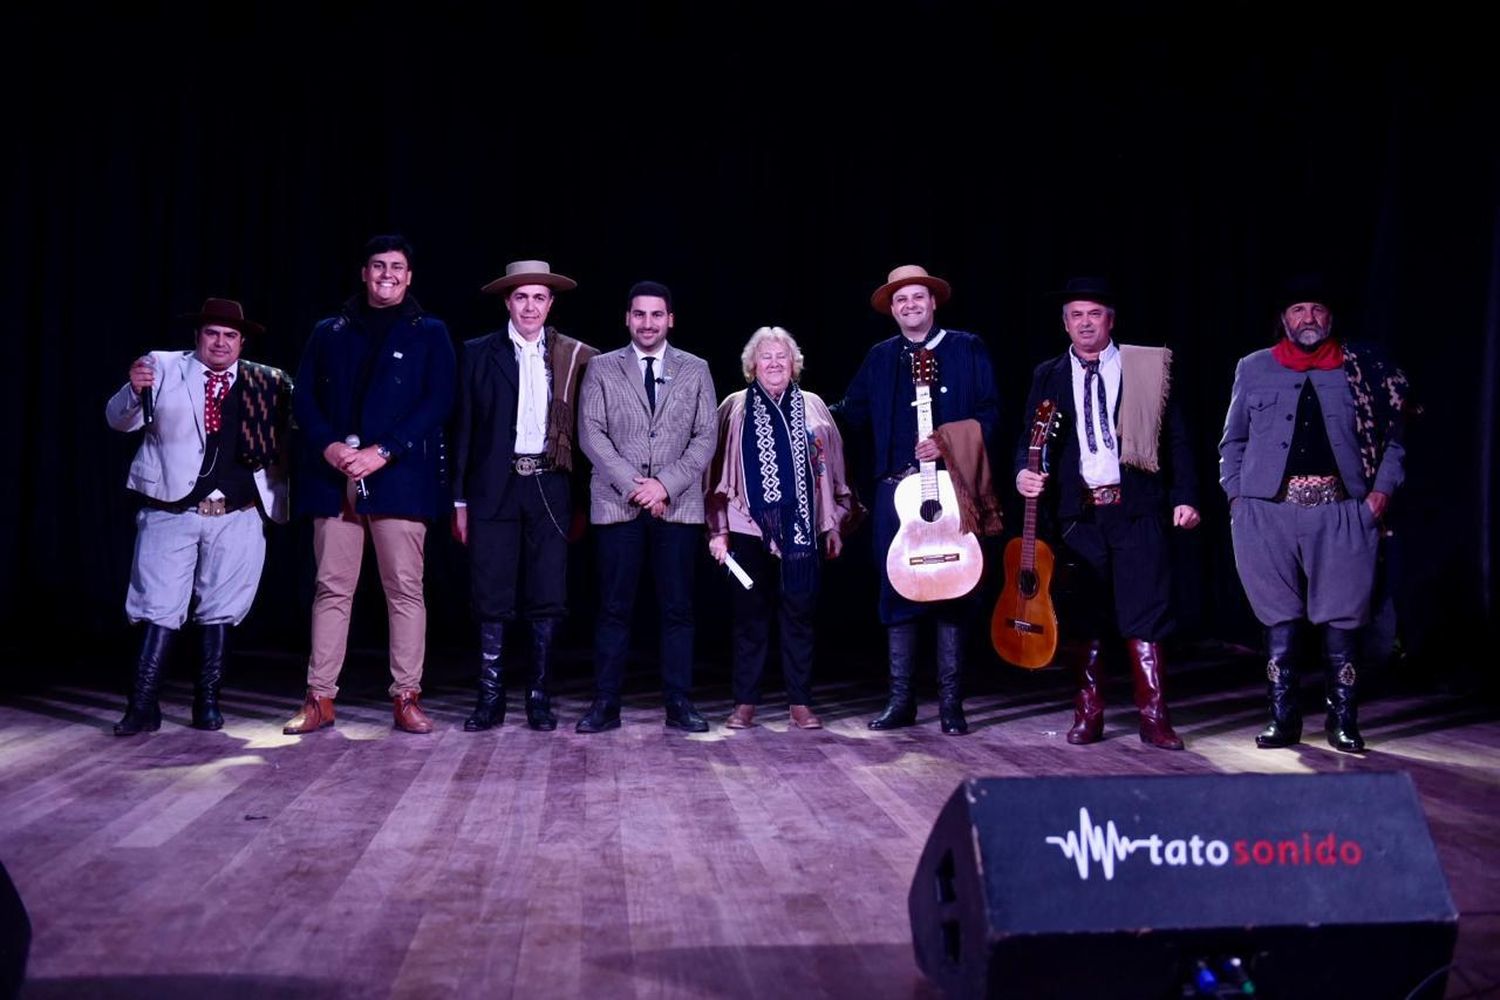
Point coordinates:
[(223, 312), (909, 274), (529, 272)]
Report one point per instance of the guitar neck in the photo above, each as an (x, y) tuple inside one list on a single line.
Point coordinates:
[(923, 404), (1028, 526)]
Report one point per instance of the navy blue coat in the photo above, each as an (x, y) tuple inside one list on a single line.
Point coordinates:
[(406, 404), (879, 397)]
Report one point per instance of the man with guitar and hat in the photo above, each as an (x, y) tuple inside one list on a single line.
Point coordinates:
[(1123, 474), (947, 416), (210, 470)]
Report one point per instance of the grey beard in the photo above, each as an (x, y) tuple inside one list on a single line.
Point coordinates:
[(1309, 337)]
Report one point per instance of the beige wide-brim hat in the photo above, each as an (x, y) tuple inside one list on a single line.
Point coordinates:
[(529, 272), (909, 274)]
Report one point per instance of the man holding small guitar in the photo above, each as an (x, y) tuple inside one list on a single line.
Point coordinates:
[(1124, 471), (926, 398)]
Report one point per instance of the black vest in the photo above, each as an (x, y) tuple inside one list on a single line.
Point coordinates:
[(222, 469)]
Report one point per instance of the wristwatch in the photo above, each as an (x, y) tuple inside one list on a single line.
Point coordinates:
[(383, 451)]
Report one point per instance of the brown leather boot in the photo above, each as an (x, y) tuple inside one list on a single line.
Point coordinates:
[(316, 713), (1156, 727), (743, 717), (409, 715), (1088, 704), (803, 718)]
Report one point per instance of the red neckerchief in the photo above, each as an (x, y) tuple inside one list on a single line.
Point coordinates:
[(1328, 356)]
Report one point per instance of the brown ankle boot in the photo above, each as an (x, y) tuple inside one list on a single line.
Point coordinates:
[(316, 713), (1088, 704), (1156, 727), (409, 715)]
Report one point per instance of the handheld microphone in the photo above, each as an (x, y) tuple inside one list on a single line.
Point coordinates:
[(359, 484), (148, 398)]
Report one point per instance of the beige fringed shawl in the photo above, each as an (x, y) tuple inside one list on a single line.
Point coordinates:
[(1145, 381)]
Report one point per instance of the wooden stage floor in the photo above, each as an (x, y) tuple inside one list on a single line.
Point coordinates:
[(362, 862)]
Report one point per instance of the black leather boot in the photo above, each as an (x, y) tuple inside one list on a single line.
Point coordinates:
[(1088, 703), (143, 714), (489, 710), (1340, 652), (538, 703), (1285, 727), (901, 710), (949, 647), (1156, 726), (215, 647)]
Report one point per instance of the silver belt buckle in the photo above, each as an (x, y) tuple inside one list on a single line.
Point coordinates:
[(525, 465), (211, 508)]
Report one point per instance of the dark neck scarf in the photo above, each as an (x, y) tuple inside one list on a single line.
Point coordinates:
[(778, 482), (1091, 375), (1325, 357)]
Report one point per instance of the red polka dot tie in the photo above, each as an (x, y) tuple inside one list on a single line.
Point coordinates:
[(213, 401)]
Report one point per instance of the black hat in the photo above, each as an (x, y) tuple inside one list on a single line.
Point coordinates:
[(1091, 289), (1305, 286)]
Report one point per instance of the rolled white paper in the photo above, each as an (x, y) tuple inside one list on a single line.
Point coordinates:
[(738, 571)]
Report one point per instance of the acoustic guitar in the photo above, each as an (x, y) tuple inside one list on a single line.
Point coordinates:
[(1024, 626), (931, 558)]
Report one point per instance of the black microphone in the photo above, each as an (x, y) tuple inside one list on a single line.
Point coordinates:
[(148, 400), (359, 484)]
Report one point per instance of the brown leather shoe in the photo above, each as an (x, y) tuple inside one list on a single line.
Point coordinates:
[(743, 717), (409, 715), (316, 713), (803, 718)]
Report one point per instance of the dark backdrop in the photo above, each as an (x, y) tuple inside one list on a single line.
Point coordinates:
[(770, 163)]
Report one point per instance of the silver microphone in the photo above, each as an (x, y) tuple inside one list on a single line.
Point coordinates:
[(359, 484)]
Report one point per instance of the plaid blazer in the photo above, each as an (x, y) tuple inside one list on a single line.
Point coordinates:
[(624, 439)]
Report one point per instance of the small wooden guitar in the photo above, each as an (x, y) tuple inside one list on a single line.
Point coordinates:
[(1024, 626), (931, 558)]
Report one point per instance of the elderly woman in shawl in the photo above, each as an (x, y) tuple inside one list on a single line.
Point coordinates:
[(777, 500)]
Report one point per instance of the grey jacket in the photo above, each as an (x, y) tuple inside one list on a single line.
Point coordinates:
[(1258, 430), (624, 439)]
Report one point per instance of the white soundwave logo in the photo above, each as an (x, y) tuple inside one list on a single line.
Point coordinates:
[(1105, 847)]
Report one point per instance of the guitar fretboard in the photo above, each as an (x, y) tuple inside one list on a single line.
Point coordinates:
[(923, 404)]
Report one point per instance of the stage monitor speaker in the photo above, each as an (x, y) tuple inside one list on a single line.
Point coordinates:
[(1170, 886), (15, 937)]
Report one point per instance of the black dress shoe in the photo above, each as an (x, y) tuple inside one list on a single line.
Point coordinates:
[(603, 714), (682, 715)]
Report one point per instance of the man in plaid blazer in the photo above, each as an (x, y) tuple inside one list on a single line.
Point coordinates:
[(647, 422)]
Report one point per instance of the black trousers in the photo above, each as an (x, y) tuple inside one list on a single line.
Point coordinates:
[(518, 559), (753, 610), (672, 551), (1120, 578)]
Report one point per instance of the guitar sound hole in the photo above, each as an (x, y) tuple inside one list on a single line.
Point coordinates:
[(1027, 582), (931, 510)]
